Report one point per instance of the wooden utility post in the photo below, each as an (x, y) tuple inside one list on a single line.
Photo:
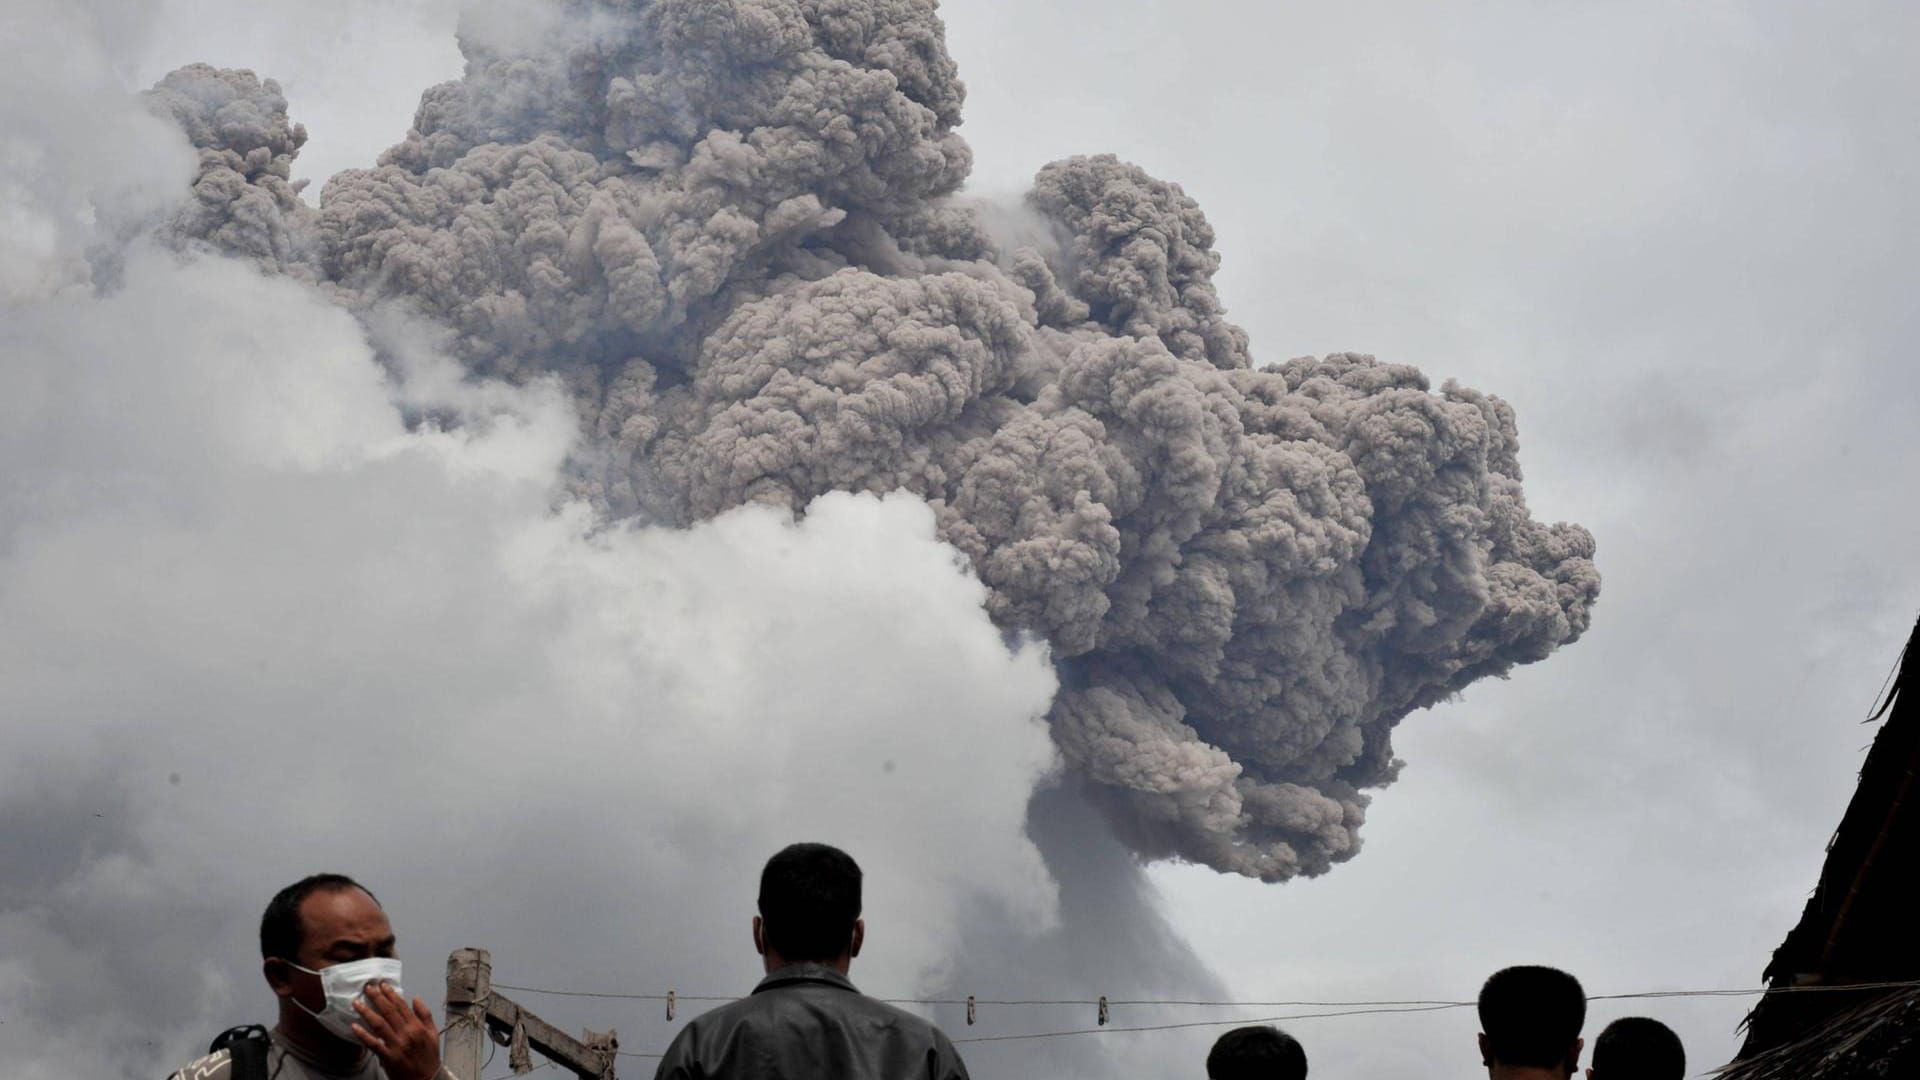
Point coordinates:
[(475, 1009), (469, 984)]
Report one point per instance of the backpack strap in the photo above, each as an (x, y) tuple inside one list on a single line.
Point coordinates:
[(246, 1046)]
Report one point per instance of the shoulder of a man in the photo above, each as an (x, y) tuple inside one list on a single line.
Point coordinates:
[(948, 1065), (215, 1066), (683, 1057), (949, 1057)]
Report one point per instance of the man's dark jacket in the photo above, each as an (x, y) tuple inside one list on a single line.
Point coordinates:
[(807, 1022)]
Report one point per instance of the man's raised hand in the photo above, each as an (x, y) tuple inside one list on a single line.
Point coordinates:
[(403, 1038)]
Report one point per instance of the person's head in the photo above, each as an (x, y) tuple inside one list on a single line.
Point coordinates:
[(313, 924), (1530, 1018), (1256, 1053), (1637, 1048), (809, 907)]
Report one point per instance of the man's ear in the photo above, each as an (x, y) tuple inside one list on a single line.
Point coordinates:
[(1573, 1059), (1486, 1056), (859, 937), (759, 937), (279, 975)]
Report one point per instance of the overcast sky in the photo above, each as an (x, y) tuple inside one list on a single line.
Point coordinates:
[(1676, 238)]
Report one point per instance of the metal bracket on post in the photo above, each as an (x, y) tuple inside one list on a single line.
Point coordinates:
[(604, 1043)]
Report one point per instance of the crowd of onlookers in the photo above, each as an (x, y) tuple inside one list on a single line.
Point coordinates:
[(327, 952), (1530, 1022)]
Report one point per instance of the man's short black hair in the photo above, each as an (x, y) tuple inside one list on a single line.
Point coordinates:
[(809, 901), (1256, 1053), (1638, 1048), (281, 933), (1532, 1015)]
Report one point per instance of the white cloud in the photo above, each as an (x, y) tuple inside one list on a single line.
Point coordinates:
[(67, 138), (253, 626)]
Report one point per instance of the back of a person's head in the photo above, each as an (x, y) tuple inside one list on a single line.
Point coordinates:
[(1532, 1015), (1256, 1053), (809, 901), (1638, 1048)]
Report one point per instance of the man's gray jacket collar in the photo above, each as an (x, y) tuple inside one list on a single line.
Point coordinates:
[(807, 972)]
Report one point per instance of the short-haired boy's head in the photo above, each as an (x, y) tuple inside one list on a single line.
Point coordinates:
[(809, 901), (1256, 1053), (1531, 1016), (1638, 1048)]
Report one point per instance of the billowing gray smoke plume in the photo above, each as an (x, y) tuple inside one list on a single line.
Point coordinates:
[(731, 227)]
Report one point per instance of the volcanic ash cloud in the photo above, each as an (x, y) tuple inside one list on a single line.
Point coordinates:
[(731, 228)]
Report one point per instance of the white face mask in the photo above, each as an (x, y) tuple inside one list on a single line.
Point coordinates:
[(343, 984)]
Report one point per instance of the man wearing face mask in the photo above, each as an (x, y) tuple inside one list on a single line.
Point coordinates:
[(327, 952)]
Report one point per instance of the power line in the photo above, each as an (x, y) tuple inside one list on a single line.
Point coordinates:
[(618, 997), (1412, 1004), (537, 1068), (1340, 1008), (1427, 1007), (1905, 984), (722, 999), (1435, 1007)]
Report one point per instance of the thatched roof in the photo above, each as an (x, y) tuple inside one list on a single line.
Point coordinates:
[(1877, 1038), (1859, 927)]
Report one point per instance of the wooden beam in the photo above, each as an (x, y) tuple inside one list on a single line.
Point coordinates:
[(589, 1062)]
